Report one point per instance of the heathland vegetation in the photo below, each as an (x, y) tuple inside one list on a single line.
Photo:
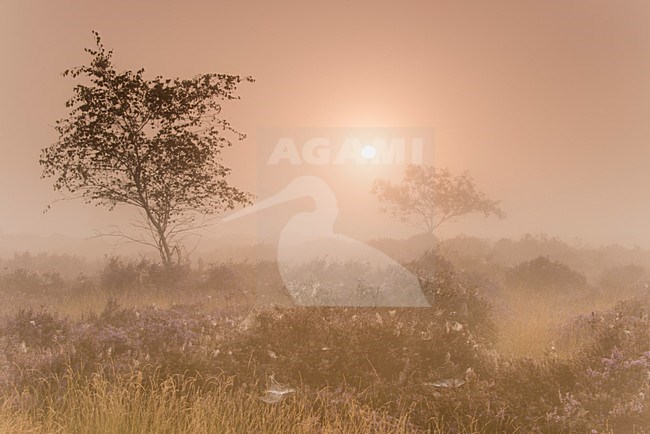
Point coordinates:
[(532, 335)]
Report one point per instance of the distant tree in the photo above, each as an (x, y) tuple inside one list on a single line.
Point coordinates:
[(429, 197), (153, 144)]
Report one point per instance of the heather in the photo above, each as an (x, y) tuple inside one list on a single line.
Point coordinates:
[(136, 347)]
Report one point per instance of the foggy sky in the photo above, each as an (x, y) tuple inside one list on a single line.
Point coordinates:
[(545, 103)]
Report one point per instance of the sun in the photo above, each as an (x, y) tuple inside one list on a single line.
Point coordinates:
[(368, 152)]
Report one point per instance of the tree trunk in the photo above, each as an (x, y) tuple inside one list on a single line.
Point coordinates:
[(164, 250), (163, 244)]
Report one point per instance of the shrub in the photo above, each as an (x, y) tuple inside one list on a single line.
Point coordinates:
[(35, 329), (22, 281), (221, 278), (542, 273), (453, 298), (627, 277), (121, 275), (356, 346)]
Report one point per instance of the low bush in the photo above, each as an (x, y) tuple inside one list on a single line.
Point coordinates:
[(398, 370), (543, 274)]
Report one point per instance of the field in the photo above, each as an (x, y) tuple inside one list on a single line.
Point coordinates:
[(523, 336)]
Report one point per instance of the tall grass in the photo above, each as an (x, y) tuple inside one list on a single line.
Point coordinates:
[(186, 405), (529, 323)]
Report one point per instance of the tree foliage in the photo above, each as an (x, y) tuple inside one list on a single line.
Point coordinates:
[(150, 143), (429, 197)]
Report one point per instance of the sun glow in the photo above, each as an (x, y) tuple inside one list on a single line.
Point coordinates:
[(368, 152)]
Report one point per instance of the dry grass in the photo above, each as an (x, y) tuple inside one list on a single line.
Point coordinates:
[(95, 301), (131, 405), (532, 319)]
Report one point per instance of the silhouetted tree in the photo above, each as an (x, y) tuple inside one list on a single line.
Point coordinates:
[(150, 143), (428, 197)]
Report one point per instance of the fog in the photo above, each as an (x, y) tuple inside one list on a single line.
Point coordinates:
[(543, 103), (435, 220)]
